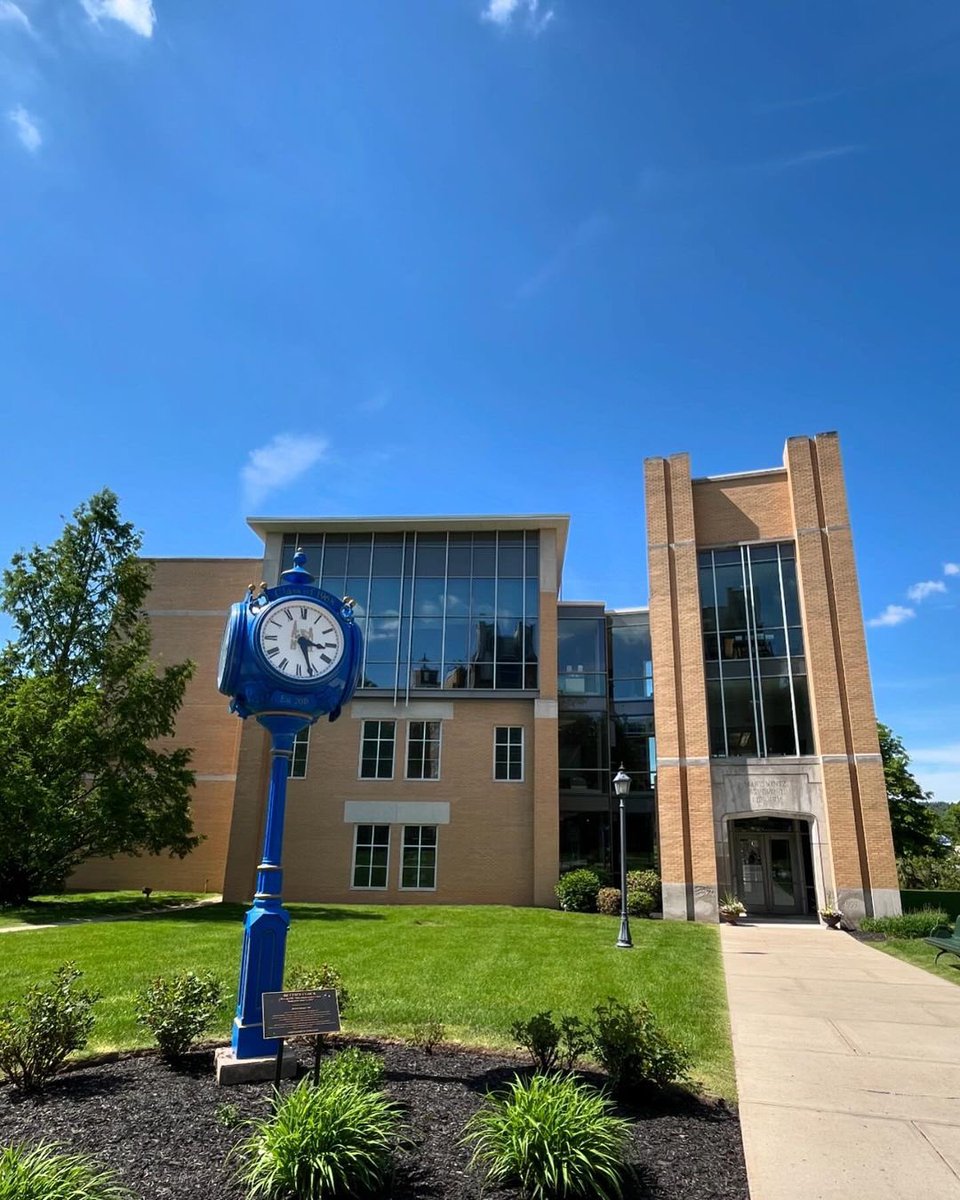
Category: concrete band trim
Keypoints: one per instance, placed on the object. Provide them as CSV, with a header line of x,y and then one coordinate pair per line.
x,y
396,812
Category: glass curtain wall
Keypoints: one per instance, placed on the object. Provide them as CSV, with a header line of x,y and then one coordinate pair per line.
x,y
437,610
757,695
632,736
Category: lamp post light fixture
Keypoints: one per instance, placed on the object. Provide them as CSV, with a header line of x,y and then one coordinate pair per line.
x,y
621,785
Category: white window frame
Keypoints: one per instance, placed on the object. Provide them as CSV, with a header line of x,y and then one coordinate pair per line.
x,y
303,737
369,887
419,848
439,739
380,722
523,738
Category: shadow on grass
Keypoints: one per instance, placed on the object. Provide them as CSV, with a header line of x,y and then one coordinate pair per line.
x,y
300,912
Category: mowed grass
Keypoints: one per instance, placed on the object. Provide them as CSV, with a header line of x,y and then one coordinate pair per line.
x,y
476,969
916,952
83,906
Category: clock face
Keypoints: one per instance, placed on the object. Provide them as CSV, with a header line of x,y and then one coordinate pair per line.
x,y
300,639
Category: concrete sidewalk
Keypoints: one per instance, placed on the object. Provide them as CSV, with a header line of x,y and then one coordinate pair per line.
x,y
848,1067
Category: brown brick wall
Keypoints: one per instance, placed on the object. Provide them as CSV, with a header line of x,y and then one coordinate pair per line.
x,y
746,509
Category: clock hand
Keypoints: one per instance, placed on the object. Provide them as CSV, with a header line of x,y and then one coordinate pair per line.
x,y
303,643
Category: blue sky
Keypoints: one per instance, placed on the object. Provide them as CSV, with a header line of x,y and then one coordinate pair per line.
x,y
487,255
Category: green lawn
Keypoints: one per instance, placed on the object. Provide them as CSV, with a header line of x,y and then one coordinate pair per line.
x,y
477,969
81,906
915,951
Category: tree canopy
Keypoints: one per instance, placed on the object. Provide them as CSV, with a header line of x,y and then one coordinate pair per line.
x,y
83,708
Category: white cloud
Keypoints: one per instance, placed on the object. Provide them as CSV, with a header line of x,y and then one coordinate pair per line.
x,y
938,756
27,129
13,14
937,769
893,614
926,587
137,15
502,12
282,460
951,568
808,157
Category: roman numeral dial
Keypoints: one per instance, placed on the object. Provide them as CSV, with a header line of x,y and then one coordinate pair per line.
x,y
300,641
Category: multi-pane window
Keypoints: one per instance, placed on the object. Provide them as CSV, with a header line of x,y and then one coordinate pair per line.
x,y
757,697
508,753
423,750
437,610
376,749
301,746
371,856
419,866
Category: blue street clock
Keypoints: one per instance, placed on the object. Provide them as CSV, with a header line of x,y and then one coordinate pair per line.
x,y
289,656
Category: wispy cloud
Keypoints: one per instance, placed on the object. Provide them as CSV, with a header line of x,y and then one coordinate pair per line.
x,y
527,13
926,587
278,463
374,404
937,769
948,755
951,568
893,614
137,15
808,158
13,14
26,128
584,235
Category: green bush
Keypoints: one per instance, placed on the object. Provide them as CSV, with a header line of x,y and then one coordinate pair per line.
x,y
633,1049
608,901
362,1068
554,1136
646,881
178,1009
917,924
428,1035
549,1042
577,891
331,1140
639,902
42,1172
39,1031
307,978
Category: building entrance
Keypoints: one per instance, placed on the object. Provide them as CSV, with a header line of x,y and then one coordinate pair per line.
x,y
771,857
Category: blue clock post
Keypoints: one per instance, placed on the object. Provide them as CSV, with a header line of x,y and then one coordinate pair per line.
x,y
289,656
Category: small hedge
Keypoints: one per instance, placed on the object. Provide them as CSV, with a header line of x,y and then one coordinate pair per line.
x,y
577,891
919,924
608,901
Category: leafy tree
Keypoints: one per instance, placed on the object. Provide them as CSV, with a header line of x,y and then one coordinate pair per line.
x,y
913,822
82,707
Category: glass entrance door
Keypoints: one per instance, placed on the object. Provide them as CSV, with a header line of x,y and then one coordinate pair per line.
x,y
769,871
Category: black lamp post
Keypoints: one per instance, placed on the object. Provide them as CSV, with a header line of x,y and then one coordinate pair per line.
x,y
621,785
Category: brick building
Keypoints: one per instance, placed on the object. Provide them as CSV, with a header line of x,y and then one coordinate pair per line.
x,y
474,763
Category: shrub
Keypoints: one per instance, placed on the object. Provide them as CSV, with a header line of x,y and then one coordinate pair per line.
x,y
608,901
178,1009
555,1136
639,902
549,1043
633,1049
362,1068
42,1172
646,881
577,891
39,1031
428,1035
331,1140
306,978
917,924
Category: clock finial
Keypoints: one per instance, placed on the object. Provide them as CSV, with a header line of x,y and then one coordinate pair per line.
x,y
298,573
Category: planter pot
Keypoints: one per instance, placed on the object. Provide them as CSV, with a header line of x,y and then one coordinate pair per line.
x,y
832,921
729,918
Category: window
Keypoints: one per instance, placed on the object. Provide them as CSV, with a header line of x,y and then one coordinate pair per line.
x,y
419,867
753,651
423,750
371,856
298,764
376,749
508,753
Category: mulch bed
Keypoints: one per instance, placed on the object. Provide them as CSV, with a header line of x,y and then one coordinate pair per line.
x,y
168,1131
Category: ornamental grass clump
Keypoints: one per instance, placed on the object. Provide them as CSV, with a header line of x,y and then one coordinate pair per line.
x,y
555,1137
42,1172
178,1009
39,1031
360,1067
329,1140
917,924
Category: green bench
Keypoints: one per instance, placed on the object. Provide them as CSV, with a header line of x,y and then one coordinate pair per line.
x,y
946,940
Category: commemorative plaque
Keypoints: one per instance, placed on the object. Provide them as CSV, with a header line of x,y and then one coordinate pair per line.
x,y
300,1014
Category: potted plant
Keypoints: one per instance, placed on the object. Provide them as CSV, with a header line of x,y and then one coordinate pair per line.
x,y
731,907
830,914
